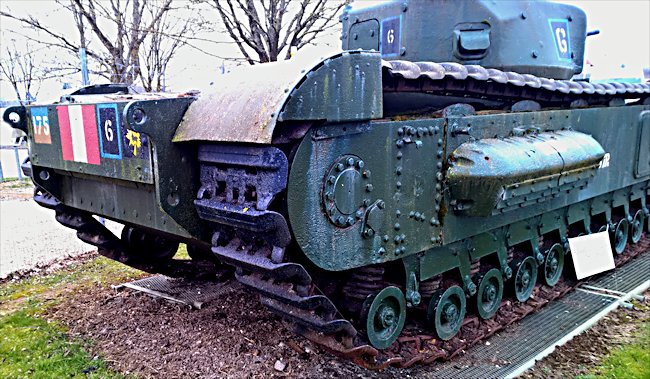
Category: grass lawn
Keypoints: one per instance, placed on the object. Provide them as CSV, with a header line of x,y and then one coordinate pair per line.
x,y
34,347
631,361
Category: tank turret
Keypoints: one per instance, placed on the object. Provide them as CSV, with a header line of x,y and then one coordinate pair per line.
x,y
530,37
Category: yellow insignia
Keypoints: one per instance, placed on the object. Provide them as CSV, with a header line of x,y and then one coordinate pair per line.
x,y
134,141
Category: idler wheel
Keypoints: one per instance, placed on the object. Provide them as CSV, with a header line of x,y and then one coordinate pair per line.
x,y
523,281
489,294
621,232
147,246
553,264
385,315
446,312
638,223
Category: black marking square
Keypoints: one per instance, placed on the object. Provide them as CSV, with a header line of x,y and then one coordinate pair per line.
x,y
108,124
391,30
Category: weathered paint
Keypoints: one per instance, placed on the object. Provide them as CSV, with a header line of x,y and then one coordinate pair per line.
x,y
410,178
527,37
247,106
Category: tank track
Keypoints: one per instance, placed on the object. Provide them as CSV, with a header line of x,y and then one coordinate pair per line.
x,y
287,288
491,84
95,233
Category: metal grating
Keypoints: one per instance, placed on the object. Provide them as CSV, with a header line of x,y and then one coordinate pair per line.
x,y
627,277
191,292
513,348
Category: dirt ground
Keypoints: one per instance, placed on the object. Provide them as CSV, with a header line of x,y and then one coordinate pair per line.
x,y
235,337
232,337
15,190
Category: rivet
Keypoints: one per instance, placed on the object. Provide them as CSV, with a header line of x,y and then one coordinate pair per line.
x,y
437,208
366,202
436,130
398,171
381,251
359,214
360,164
381,204
349,221
411,213
439,176
397,226
417,215
398,184
340,220
386,238
340,167
396,240
438,186
366,173
399,155
399,143
398,213
329,196
439,142
350,161
397,251
439,164
331,179
402,237
369,187
431,130
400,132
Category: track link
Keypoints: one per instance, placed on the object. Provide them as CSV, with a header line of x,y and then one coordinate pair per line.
x,y
288,290
94,233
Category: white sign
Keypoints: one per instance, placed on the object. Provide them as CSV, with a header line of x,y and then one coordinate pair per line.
x,y
592,254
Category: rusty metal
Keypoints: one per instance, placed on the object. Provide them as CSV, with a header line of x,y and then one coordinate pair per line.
x,y
247,105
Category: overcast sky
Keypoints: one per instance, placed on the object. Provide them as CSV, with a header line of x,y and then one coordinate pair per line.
x,y
621,50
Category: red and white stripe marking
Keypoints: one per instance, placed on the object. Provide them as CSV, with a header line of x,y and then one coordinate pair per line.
x,y
79,139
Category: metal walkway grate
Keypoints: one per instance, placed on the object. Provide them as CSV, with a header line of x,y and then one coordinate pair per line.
x,y
513,348
193,293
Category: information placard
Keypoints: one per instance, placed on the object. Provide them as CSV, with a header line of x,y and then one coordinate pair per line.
x,y
592,254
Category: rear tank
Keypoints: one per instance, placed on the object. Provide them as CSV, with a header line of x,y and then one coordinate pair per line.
x,y
372,192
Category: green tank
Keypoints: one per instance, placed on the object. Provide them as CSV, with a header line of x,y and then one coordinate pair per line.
x,y
434,167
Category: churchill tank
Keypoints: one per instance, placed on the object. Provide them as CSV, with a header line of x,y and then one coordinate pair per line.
x,y
396,201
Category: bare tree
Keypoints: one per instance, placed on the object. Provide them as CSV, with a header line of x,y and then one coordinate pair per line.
x,y
266,30
162,43
18,68
121,37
